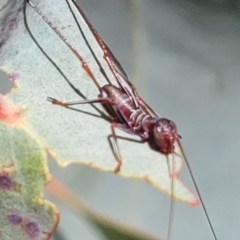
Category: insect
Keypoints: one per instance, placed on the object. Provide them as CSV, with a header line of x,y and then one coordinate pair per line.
x,y
124,108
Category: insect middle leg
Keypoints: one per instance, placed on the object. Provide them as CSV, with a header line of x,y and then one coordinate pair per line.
x,y
67,104
114,145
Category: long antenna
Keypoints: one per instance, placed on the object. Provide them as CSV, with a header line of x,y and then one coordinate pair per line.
x,y
198,192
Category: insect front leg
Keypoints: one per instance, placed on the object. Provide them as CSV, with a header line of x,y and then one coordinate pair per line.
x,y
171,168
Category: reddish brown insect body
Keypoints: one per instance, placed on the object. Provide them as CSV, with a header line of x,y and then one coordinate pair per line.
x,y
160,133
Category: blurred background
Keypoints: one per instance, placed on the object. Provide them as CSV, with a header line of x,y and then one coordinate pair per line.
x,y
184,59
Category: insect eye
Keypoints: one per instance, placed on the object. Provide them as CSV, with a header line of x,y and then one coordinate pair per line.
x,y
164,128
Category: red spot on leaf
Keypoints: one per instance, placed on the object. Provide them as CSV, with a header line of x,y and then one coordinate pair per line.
x,y
13,76
6,182
32,228
8,112
14,218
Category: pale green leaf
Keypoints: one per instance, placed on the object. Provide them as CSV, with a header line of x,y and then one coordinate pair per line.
x,y
72,136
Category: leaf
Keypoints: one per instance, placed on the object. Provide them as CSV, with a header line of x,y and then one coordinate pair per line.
x,y
72,136
110,228
119,234
23,173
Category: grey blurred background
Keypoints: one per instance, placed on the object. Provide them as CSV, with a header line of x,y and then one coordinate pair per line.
x,y
183,57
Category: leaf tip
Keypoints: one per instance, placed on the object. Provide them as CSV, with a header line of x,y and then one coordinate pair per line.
x,y
195,202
